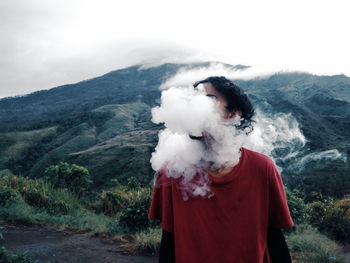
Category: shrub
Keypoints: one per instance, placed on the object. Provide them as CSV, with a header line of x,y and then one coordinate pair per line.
x,y
310,246
7,257
21,183
297,206
113,228
133,183
73,177
337,220
17,213
8,196
133,216
44,202
316,212
317,196
39,203
148,240
36,193
113,201
114,182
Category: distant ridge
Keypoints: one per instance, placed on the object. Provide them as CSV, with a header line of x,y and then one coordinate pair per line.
x,y
104,123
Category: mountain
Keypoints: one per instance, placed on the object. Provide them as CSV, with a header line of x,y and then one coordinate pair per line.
x,y
104,124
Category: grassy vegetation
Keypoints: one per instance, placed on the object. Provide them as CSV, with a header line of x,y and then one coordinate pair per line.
x,y
122,210
104,124
36,202
308,245
12,144
148,241
8,257
112,141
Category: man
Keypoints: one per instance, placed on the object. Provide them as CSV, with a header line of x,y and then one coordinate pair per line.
x,y
242,223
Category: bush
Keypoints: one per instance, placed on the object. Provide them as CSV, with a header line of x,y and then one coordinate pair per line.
x,y
296,206
39,200
17,213
310,246
337,220
148,241
21,183
113,201
133,183
36,193
8,196
73,177
39,203
134,214
113,228
7,257
316,208
114,182
316,212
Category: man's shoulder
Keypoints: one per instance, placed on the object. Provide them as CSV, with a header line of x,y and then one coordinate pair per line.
x,y
258,159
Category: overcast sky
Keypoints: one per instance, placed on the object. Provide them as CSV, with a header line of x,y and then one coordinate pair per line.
x,y
44,44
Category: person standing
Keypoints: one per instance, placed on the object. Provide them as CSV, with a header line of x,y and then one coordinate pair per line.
x,y
243,220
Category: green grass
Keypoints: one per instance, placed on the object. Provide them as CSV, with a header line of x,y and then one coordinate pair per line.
x,y
13,143
35,202
125,119
148,241
308,245
8,257
85,139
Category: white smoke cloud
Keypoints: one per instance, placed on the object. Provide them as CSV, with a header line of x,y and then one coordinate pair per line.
x,y
276,135
188,75
321,158
329,154
186,111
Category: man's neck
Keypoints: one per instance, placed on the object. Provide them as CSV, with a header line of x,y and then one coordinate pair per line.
x,y
221,172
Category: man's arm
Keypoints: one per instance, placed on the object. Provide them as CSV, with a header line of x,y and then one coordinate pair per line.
x,y
278,249
277,245
167,248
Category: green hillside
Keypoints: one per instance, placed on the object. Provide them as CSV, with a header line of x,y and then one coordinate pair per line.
x,y
14,144
104,124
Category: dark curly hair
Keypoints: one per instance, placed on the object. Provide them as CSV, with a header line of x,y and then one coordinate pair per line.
x,y
236,99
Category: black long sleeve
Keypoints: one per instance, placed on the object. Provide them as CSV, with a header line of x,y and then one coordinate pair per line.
x,y
276,243
167,248
278,249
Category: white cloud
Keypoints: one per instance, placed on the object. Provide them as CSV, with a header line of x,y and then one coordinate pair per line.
x,y
49,43
187,75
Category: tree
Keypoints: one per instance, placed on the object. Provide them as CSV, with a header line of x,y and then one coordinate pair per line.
x,y
296,205
71,176
337,220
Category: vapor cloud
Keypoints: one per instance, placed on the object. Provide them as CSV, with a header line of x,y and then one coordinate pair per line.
x,y
187,112
188,75
277,135
321,158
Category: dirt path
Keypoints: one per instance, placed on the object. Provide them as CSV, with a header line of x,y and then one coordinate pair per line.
x,y
52,246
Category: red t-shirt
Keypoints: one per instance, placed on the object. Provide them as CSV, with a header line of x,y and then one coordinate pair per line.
x,y
231,226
